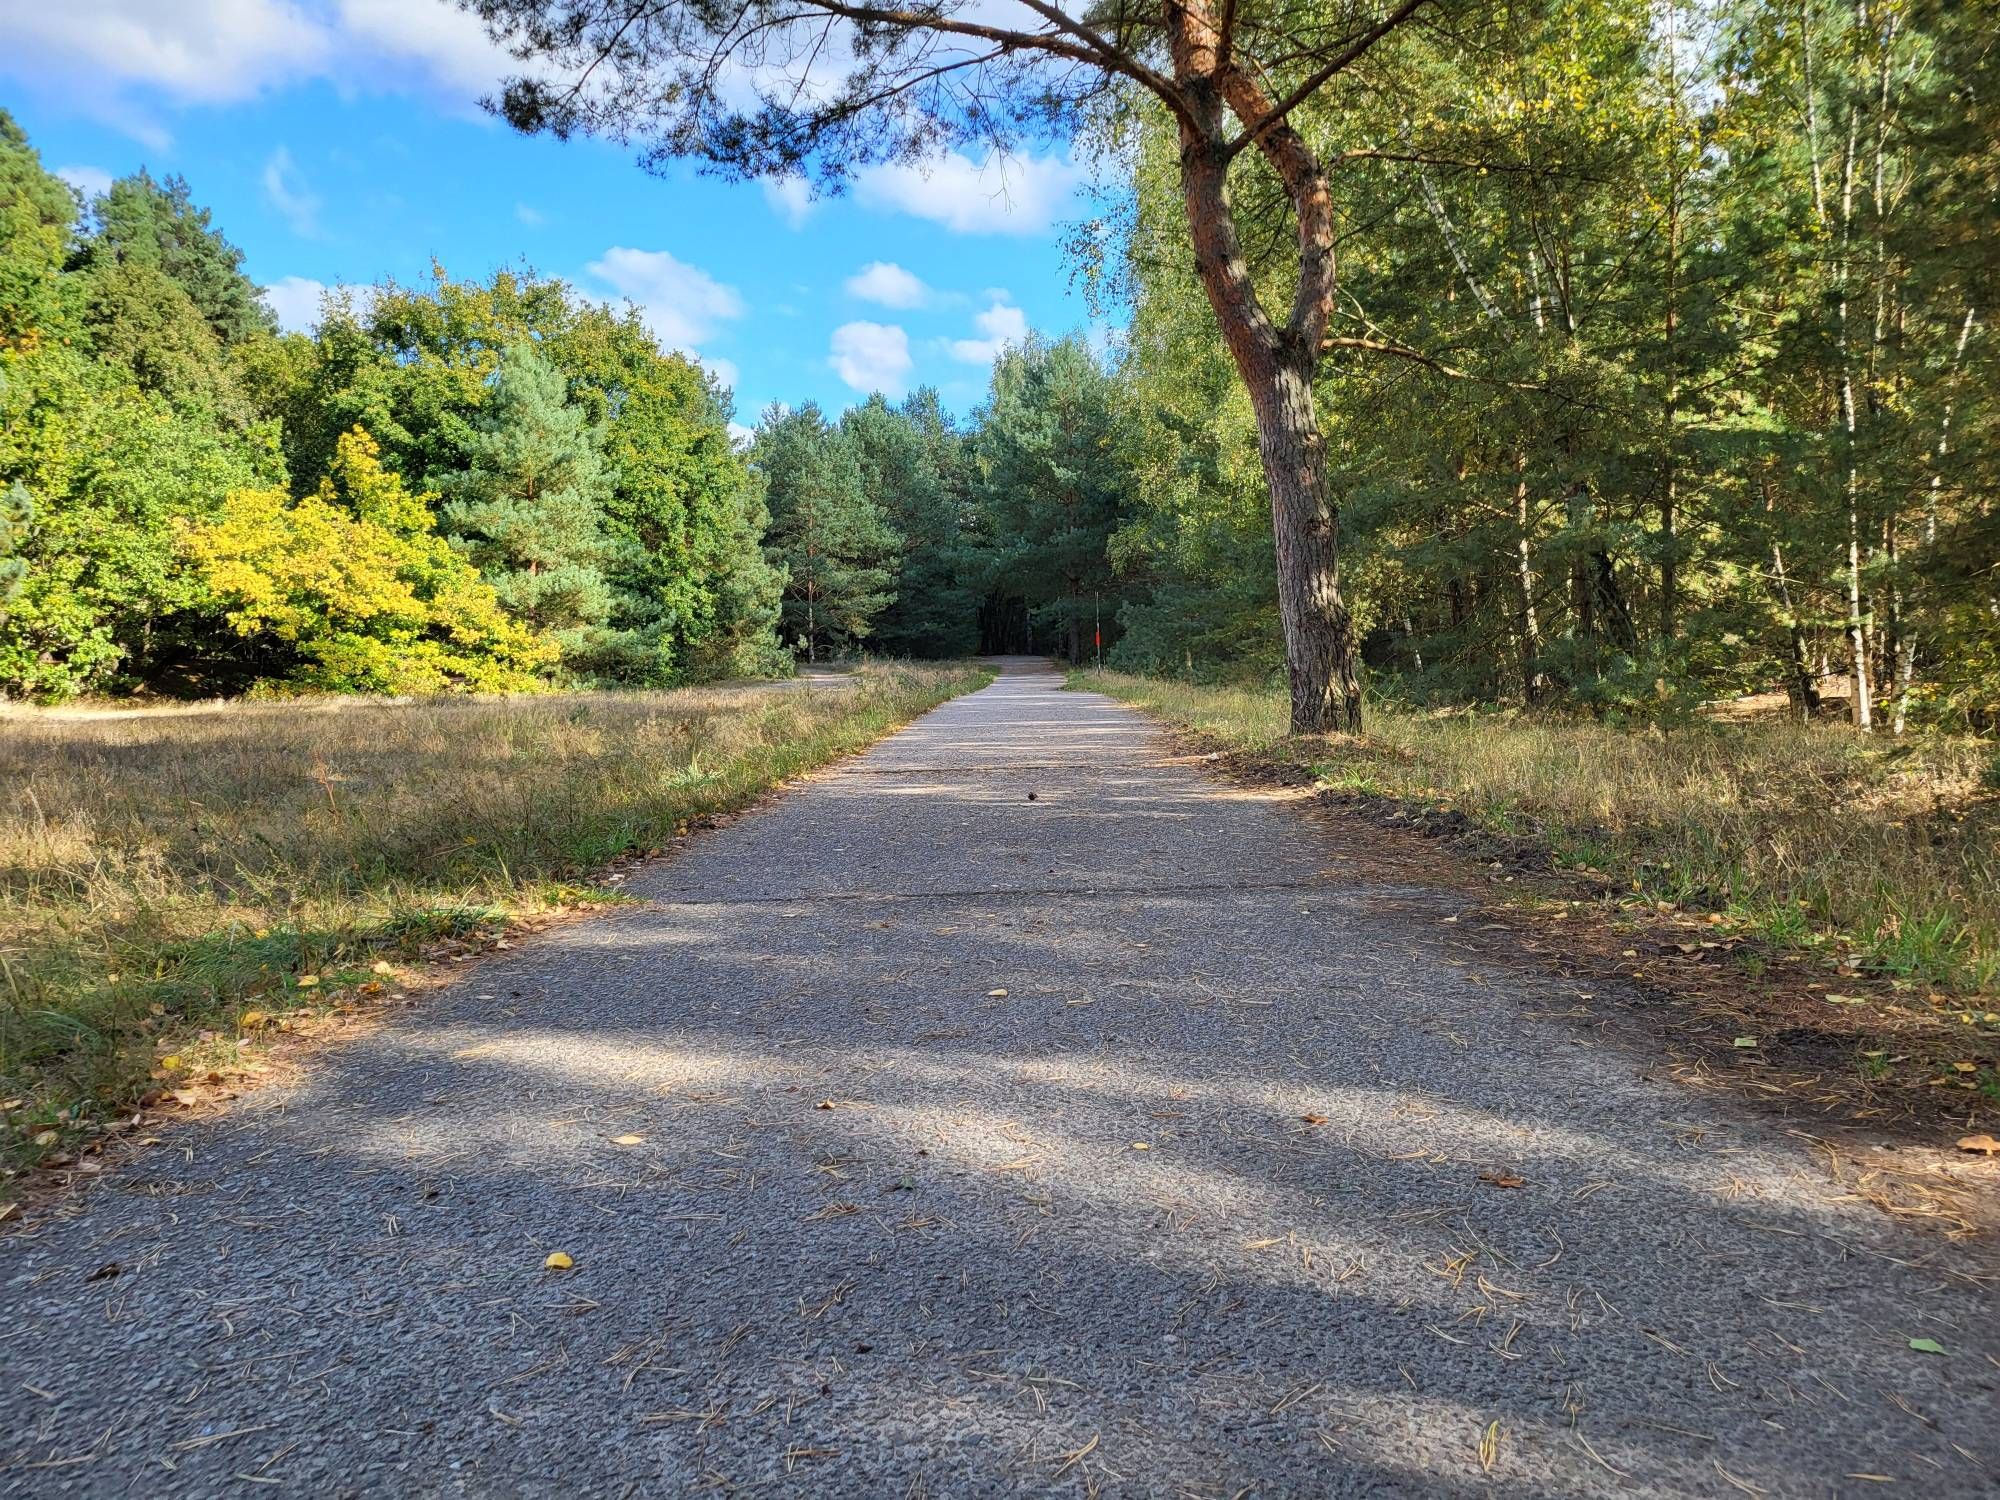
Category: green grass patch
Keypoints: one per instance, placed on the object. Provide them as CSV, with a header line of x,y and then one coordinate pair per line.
x,y
162,872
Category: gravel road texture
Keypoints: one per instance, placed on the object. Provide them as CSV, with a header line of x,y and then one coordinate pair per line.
x,y
1013,1109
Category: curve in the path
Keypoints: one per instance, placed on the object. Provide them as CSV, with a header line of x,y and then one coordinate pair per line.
x,y
1016,1111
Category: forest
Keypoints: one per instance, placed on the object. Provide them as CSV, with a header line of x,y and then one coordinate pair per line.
x,y
1660,374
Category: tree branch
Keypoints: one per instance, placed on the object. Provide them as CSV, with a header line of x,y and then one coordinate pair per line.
x,y
1112,57
1345,58
1097,53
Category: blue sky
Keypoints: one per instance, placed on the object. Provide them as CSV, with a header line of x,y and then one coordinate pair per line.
x,y
338,141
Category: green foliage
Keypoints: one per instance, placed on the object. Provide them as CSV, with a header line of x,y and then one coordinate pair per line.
x,y
528,507
38,214
354,581
145,398
138,319
17,514
1645,389
832,540
690,594
1051,485
914,467
106,597
142,223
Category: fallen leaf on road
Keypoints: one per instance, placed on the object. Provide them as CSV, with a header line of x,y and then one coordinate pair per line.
x,y
996,994
1502,1179
1744,1041
1927,1346
557,1261
1984,1143
1142,1146
250,1020
1313,1119
306,981
825,1104
1489,1447
628,1140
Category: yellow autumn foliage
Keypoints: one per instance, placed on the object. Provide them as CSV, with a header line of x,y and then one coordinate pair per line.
x,y
354,579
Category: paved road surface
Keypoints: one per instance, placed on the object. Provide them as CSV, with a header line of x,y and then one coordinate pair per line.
x,y
1100,1142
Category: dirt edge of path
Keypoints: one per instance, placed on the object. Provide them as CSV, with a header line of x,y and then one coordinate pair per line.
x,y
1686,999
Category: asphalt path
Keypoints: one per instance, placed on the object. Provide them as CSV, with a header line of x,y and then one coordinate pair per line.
x,y
1013,1109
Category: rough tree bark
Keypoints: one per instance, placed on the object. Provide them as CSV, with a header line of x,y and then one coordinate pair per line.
x,y
1276,363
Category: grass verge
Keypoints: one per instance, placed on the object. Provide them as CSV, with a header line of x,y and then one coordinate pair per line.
x,y
171,878
1880,852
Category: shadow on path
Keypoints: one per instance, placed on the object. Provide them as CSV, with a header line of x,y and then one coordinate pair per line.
x,y
917,1137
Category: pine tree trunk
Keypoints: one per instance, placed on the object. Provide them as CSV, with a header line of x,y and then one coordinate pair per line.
x,y
1319,635
1670,486
1276,361
1907,667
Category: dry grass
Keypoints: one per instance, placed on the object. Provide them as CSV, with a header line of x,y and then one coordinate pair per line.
x,y
160,870
1809,835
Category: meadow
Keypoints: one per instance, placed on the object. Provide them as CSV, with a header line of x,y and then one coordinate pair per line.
x,y
1805,834
167,873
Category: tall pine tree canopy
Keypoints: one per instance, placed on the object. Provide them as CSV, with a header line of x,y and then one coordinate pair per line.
x,y
528,507
1051,483
834,543
913,466
140,222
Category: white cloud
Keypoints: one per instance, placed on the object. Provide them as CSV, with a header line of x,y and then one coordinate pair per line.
x,y
193,51
89,181
741,436
290,196
682,304
534,218
886,282
296,300
1001,195
448,44
723,370
1001,325
872,357
107,56
790,199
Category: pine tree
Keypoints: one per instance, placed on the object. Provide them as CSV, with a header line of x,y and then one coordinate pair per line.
x,y
913,468
1053,483
158,225
835,544
528,510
